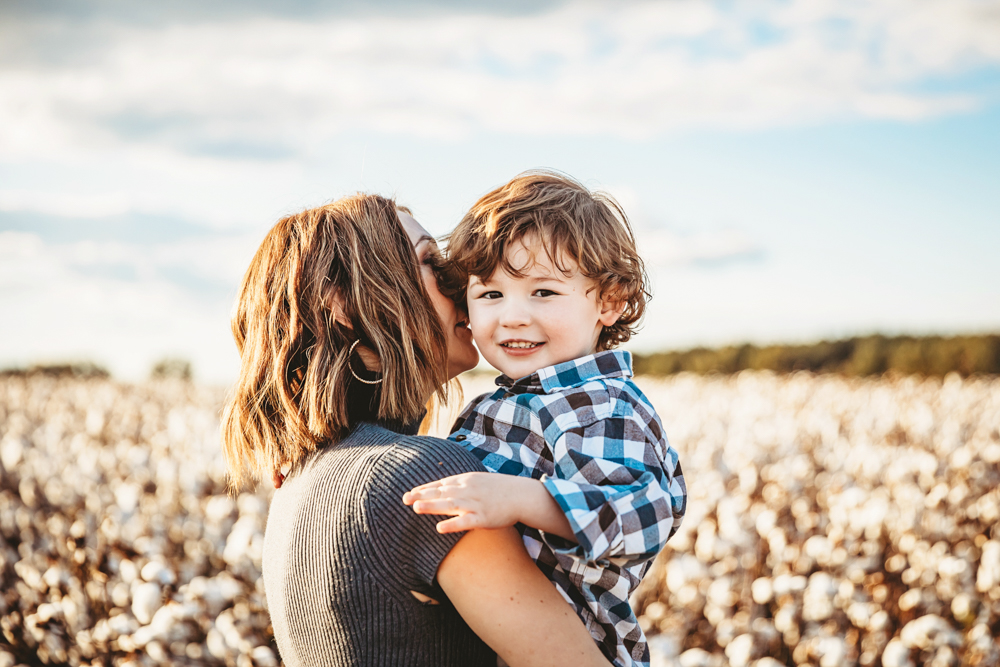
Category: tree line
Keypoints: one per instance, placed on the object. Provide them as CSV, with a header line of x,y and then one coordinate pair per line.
x,y
858,357
167,368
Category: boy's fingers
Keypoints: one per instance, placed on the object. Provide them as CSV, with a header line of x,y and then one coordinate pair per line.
x,y
421,493
436,489
439,506
458,524
452,480
428,485
411,497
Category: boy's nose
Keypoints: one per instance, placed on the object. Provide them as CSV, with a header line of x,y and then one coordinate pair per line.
x,y
514,315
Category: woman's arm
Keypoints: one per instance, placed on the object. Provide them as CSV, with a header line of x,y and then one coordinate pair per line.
x,y
509,603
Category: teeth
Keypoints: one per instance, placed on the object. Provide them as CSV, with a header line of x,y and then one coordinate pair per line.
x,y
520,344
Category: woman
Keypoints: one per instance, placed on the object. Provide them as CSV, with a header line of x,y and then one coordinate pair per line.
x,y
344,335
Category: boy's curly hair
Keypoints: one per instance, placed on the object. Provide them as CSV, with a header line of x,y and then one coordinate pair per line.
x,y
572,224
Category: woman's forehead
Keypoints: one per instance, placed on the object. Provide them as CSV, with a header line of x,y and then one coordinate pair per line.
x,y
413,229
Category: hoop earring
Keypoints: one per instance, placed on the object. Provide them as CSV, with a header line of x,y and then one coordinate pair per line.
x,y
349,353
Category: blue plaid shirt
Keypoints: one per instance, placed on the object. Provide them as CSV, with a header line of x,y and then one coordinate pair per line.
x,y
590,435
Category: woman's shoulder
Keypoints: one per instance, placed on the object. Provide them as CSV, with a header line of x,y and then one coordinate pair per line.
x,y
407,545
418,459
372,452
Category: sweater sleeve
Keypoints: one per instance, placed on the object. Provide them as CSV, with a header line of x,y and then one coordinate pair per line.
x,y
408,544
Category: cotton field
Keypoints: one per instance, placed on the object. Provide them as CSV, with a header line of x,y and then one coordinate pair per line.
x,y
831,522
121,545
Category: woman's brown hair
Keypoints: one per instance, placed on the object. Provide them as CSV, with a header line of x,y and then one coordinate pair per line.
x,y
570,223
350,261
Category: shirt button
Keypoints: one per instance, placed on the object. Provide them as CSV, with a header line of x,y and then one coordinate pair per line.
x,y
459,438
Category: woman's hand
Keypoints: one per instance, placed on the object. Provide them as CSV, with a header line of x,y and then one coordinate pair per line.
x,y
489,500
278,475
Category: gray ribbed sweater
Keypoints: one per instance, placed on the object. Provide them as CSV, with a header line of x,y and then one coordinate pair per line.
x,y
342,553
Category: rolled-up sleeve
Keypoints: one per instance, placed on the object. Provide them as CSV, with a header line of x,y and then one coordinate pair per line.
x,y
407,542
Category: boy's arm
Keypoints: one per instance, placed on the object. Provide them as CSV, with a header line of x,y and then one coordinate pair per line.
x,y
612,494
490,500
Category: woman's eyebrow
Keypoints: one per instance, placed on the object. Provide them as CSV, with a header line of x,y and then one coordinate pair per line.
x,y
430,240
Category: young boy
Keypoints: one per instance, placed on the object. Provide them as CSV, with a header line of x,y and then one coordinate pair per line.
x,y
554,284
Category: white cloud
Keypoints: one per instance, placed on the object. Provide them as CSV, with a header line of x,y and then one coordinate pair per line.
x,y
663,248
67,204
636,70
122,304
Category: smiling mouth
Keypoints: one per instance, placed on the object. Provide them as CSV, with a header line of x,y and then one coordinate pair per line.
x,y
519,344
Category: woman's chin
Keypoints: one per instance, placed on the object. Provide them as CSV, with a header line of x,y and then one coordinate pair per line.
x,y
462,363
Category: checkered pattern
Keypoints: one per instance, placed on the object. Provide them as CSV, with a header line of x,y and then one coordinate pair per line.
x,y
587,431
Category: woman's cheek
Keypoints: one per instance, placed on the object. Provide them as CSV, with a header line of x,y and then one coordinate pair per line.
x,y
477,331
443,306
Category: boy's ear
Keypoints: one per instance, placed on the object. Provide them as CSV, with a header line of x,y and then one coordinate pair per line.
x,y
610,312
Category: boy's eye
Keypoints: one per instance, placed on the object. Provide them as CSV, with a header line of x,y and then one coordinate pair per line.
x,y
492,294
545,292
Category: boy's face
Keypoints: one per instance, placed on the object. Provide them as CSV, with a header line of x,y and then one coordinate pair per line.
x,y
544,318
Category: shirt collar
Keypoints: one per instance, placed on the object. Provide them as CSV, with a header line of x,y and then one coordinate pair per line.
x,y
573,373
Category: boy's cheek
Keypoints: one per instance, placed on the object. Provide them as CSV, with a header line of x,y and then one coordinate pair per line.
x,y
477,318
481,339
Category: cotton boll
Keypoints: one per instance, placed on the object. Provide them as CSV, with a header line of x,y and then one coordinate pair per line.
x,y
128,571
264,657
929,631
965,608
785,619
740,651
762,590
988,576
817,603
896,654
910,599
145,601
832,651
219,508
695,657
12,451
155,571
767,662
127,497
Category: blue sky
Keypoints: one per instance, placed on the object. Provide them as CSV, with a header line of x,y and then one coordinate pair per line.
x,y
794,170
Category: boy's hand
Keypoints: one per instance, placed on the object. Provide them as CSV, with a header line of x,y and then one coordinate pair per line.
x,y
489,500
474,499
